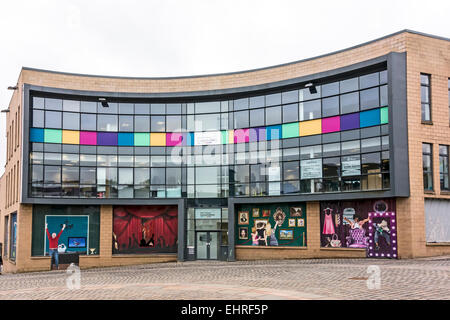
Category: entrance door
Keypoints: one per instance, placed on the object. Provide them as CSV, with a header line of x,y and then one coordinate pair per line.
x,y
207,245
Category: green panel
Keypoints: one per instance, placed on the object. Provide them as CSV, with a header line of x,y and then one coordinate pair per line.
x,y
384,115
142,139
52,136
290,130
299,233
38,230
224,137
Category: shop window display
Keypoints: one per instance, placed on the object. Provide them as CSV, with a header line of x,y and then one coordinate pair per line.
x,y
145,229
271,225
360,225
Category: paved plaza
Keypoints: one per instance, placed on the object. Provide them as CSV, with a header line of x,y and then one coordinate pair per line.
x,y
342,279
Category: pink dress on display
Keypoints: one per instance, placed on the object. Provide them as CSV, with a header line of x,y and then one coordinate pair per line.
x,y
328,227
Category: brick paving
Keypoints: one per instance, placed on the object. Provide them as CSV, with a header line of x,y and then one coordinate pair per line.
x,y
343,279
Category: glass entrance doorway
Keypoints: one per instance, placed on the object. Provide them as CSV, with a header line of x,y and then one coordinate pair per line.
x,y
207,245
207,233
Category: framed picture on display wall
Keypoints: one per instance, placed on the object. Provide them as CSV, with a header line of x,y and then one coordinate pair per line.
x,y
243,217
286,234
300,222
291,222
255,212
243,233
266,213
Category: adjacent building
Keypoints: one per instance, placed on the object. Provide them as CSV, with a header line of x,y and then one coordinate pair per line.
x,y
342,155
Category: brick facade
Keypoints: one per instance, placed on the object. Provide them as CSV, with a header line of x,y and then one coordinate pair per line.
x,y
425,54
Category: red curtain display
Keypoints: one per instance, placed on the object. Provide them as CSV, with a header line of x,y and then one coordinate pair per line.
x,y
141,229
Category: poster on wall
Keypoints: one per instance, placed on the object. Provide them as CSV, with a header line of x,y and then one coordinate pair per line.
x,y
145,229
271,225
382,235
13,235
74,238
349,224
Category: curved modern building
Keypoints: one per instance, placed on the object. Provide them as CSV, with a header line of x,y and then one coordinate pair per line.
x,y
342,155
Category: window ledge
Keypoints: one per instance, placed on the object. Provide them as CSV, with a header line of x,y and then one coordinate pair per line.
x,y
438,244
271,247
430,123
429,192
445,193
343,249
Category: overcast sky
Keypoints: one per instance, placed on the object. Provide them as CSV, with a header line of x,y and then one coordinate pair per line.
x,y
176,38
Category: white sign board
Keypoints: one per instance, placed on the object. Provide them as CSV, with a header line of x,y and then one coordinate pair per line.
x,y
311,169
208,138
351,166
207,213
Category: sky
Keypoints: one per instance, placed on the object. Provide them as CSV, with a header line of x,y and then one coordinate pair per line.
x,y
165,38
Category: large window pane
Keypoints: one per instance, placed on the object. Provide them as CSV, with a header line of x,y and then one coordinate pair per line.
x,y
38,118
142,176
53,119
158,176
349,102
241,174
126,123
52,174
71,121
173,176
369,99
207,122
87,175
70,174
173,124
330,106
71,105
107,122
273,115
241,120
142,123
88,121
290,113
257,117
125,176
291,170
310,110
158,123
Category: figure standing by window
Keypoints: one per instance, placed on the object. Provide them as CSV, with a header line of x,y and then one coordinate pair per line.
x,y
53,245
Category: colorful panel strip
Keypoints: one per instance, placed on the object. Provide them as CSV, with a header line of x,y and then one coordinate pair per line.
x,y
344,122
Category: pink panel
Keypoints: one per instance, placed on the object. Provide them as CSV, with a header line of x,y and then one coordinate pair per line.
x,y
88,137
241,135
332,124
174,139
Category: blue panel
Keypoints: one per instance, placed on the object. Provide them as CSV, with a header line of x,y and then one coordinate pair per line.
x,y
36,135
369,118
126,139
273,132
189,139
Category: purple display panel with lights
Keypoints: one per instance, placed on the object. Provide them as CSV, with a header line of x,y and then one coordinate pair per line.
x,y
382,235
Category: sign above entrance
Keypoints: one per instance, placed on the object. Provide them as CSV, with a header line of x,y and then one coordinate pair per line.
x,y
207,213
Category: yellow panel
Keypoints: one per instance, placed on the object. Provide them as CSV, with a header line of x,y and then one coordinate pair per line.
x,y
71,137
308,128
231,136
157,139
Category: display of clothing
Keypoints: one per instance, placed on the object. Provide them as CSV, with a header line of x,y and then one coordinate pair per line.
x,y
328,227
